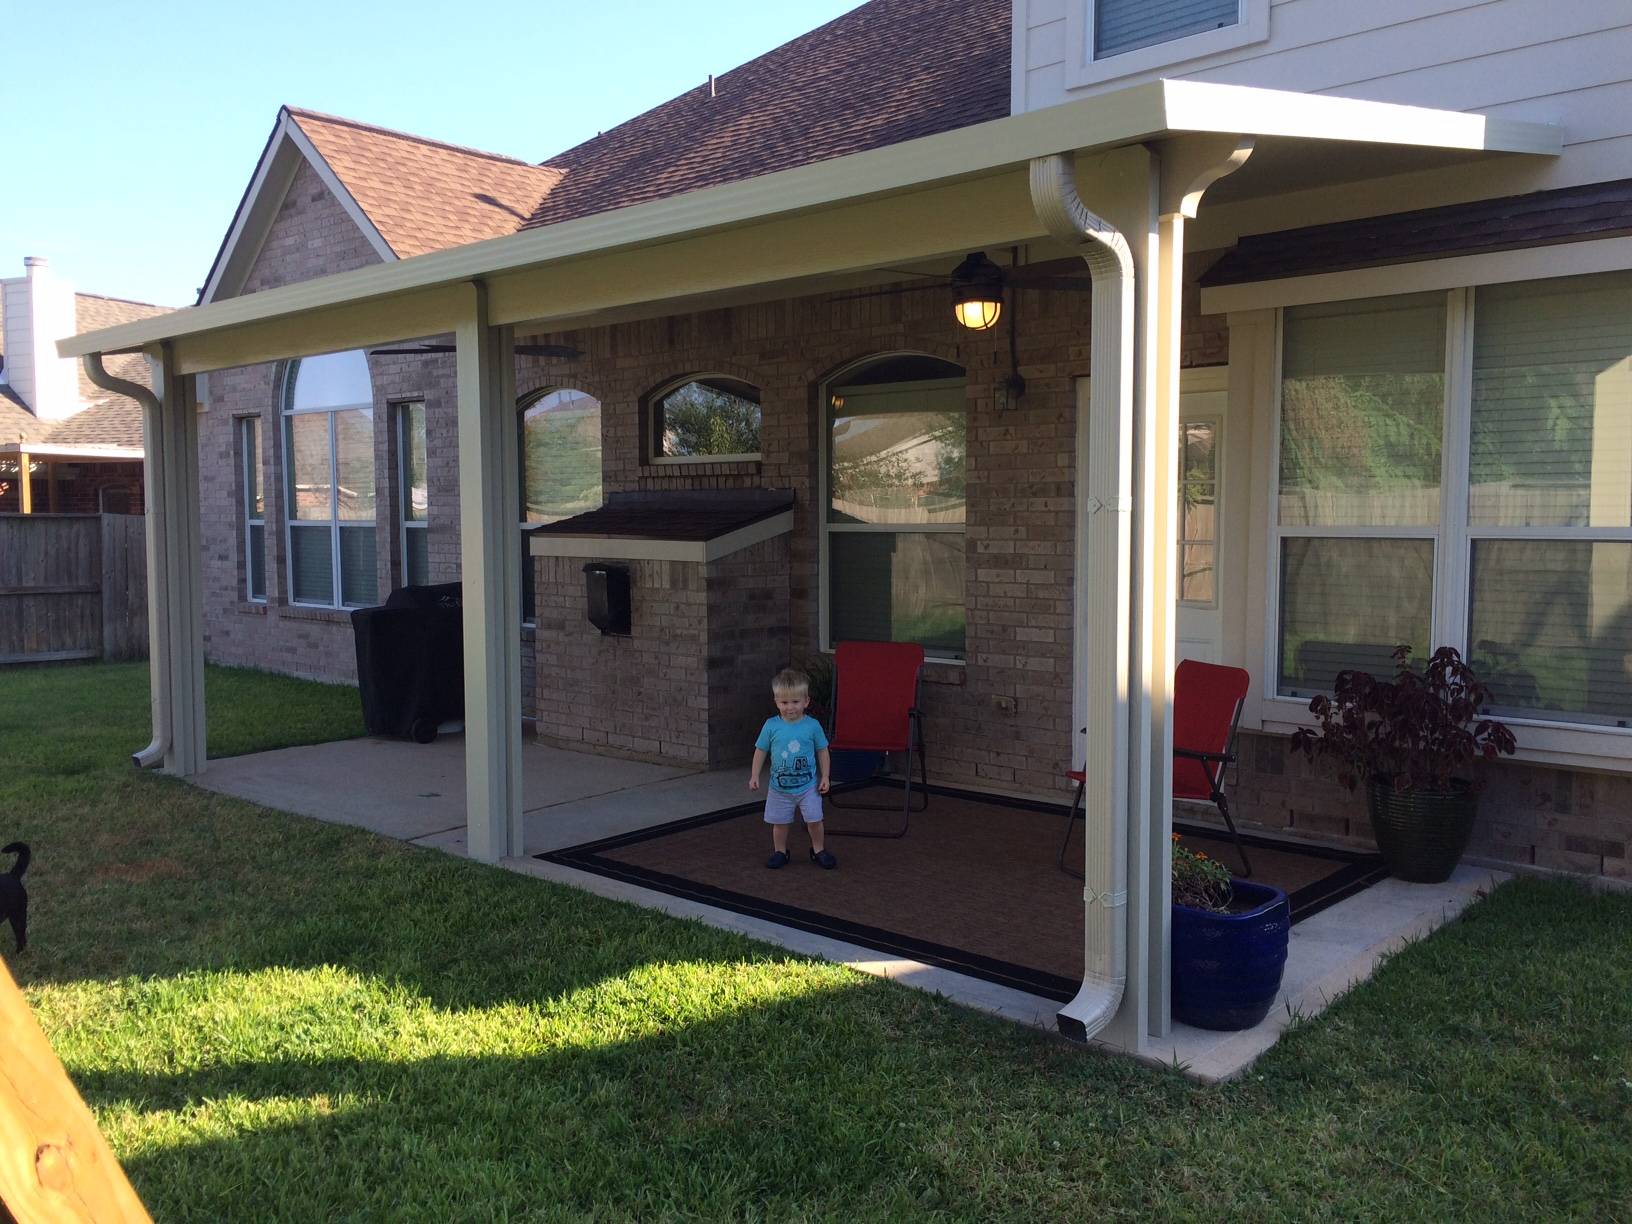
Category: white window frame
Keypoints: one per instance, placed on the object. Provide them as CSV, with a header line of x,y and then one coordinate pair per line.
x,y
824,563
287,413
249,473
1541,740
401,411
1252,26
654,440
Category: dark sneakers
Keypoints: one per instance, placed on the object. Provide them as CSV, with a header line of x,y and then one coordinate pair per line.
x,y
779,859
824,858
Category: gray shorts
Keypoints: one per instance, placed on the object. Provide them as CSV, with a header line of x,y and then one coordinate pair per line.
x,y
779,808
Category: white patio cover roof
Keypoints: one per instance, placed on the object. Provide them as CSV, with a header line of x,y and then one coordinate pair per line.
x,y
960,189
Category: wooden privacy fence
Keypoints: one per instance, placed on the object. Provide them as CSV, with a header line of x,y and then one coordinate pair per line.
x,y
72,586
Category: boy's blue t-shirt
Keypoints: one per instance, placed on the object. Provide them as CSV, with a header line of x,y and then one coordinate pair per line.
x,y
792,748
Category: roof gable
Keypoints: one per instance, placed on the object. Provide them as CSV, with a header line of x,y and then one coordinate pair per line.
x,y
423,195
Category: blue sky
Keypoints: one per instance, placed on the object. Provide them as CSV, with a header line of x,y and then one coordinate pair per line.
x,y
141,123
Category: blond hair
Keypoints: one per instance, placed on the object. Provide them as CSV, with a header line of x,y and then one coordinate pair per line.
x,y
791,680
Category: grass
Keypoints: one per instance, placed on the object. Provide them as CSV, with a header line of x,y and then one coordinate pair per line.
x,y
276,1018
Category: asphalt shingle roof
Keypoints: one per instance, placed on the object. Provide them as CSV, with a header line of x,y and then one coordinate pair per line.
x,y
889,71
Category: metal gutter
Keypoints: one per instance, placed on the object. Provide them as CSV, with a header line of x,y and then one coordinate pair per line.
x,y
158,692
1109,503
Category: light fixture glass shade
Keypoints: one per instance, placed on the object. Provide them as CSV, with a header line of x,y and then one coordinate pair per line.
x,y
979,313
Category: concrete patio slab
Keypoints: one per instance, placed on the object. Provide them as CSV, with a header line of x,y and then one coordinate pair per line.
x,y
411,791
416,793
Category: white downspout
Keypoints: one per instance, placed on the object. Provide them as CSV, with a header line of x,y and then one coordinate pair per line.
x,y
152,459
1108,502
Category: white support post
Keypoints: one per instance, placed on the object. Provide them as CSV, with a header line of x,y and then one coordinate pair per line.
x,y
174,575
490,561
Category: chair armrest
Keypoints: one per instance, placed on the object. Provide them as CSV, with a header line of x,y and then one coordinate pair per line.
x,y
1190,754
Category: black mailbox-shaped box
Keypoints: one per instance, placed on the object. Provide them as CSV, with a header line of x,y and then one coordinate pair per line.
x,y
606,591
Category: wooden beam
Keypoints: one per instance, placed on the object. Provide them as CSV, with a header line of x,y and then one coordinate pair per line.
x,y
54,1163
25,483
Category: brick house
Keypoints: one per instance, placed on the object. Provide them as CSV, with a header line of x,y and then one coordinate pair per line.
x,y
1296,360
81,444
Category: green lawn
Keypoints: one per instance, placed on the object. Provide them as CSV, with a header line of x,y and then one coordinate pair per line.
x,y
275,1018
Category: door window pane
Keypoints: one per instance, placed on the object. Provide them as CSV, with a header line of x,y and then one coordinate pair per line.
x,y
257,561
1198,511
1552,403
898,455
416,498
417,563
1346,604
1551,627
1362,407
898,587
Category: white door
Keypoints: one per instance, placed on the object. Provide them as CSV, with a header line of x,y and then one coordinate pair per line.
x,y
1202,556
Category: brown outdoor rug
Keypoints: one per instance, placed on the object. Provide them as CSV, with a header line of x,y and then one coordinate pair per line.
x,y
973,886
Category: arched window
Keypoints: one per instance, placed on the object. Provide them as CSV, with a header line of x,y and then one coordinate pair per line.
x,y
893,539
706,419
560,464
328,409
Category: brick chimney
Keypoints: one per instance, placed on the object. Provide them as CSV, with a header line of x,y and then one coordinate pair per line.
x,y
39,311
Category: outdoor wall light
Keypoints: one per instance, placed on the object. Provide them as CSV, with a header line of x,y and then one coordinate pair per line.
x,y
977,293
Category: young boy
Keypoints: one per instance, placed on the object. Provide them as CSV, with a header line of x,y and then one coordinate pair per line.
x,y
796,747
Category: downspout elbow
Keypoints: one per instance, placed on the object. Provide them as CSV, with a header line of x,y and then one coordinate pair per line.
x,y
152,756
1107,524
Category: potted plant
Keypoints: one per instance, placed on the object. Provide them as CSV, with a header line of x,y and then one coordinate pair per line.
x,y
1414,742
1229,941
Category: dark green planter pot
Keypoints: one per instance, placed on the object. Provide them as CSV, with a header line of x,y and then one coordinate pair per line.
x,y
1421,834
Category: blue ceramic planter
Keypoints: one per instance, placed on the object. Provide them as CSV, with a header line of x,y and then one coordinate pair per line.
x,y
1227,967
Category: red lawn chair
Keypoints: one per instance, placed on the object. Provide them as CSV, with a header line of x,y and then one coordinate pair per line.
x,y
875,709
1207,702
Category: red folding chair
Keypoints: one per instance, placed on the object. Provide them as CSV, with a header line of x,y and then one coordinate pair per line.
x,y
1207,702
875,709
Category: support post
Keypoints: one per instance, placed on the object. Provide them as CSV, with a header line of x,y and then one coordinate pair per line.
x,y
175,585
490,559
25,484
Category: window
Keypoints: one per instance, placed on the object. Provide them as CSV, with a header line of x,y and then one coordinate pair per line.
x,y
894,540
706,419
1198,513
413,485
560,465
1126,25
1122,38
1457,468
329,453
249,454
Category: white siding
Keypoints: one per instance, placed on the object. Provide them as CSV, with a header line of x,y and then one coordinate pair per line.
x,y
1567,62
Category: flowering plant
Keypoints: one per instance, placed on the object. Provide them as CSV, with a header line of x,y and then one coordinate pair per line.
x,y
1198,881
1420,731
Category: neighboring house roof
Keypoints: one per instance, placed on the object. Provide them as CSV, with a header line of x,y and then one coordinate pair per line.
x,y
116,421
889,71
17,423
1567,214
423,195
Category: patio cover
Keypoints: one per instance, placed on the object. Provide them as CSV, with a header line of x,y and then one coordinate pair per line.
x,y
1120,173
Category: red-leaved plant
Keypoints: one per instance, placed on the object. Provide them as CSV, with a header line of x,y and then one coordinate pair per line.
x,y
1420,731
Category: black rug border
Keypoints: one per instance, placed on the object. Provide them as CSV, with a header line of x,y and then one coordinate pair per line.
x,y
1361,871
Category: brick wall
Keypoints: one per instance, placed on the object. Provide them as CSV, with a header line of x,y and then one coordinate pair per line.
x,y
1529,815
691,683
